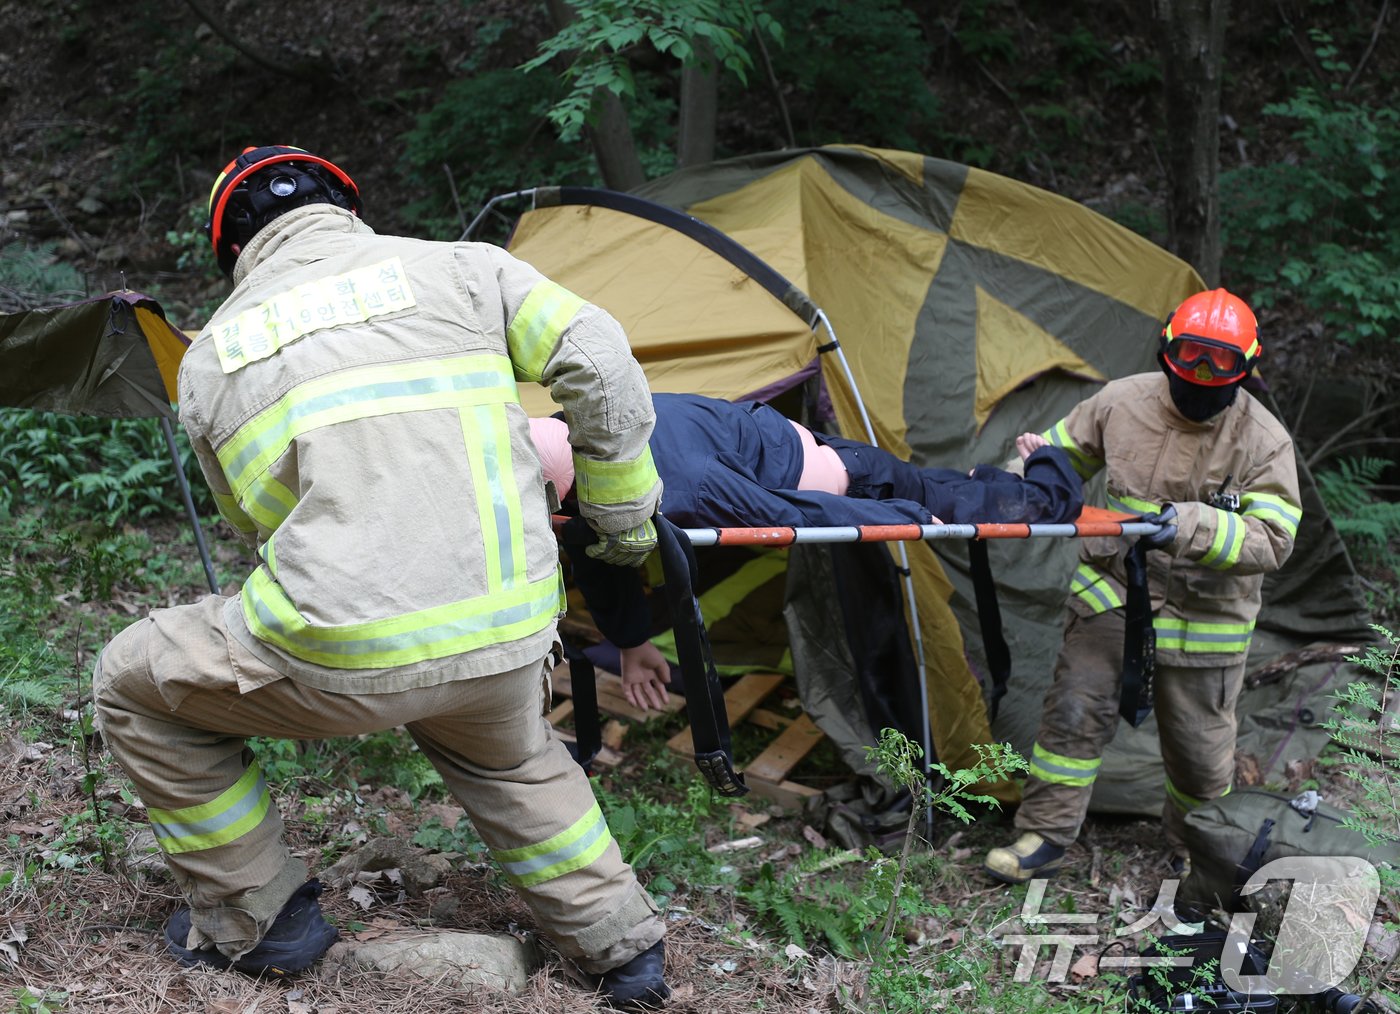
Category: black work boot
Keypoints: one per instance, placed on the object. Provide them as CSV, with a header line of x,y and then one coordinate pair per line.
x,y
298,936
637,985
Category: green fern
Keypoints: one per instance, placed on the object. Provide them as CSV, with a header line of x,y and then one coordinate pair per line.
x,y
1368,524
110,468
1347,489
811,900
25,694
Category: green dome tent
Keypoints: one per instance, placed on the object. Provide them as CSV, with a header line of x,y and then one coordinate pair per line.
x,y
970,308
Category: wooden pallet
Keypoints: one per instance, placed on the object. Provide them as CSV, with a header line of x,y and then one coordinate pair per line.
x,y
766,775
611,701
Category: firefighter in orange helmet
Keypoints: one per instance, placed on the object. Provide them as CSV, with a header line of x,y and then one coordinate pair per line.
x,y
1192,450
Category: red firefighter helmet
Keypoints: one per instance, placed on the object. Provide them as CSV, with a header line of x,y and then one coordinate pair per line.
x,y
1211,339
244,197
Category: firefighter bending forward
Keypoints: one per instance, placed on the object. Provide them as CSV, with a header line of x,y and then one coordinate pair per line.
x,y
1191,450
353,406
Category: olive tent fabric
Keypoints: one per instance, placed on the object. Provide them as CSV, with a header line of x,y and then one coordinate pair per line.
x,y
971,308
114,356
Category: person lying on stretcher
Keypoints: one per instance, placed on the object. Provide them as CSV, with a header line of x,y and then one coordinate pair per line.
x,y
744,464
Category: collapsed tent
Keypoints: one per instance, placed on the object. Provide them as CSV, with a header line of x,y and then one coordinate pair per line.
x,y
114,356
971,308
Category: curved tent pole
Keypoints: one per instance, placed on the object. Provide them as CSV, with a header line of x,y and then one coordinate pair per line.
x,y
489,207
188,500
779,287
834,345
702,232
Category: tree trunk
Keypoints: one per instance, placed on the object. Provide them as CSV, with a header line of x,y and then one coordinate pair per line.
x,y
1193,42
699,102
611,133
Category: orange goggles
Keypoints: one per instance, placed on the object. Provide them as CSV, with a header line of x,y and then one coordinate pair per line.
x,y
1205,360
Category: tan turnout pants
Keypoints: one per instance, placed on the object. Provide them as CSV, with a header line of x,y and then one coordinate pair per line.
x,y
1195,711
170,710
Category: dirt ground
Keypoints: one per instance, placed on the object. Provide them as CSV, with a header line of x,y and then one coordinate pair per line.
x,y
97,936
83,904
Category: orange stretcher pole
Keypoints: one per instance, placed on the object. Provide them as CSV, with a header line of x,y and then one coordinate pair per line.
x,y
1092,522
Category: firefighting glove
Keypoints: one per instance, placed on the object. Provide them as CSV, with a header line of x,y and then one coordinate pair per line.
x,y
625,549
1164,537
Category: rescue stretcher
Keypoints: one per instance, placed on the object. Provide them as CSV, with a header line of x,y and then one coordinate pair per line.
x,y
709,722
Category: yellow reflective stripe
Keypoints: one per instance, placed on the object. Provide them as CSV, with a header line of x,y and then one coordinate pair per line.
x,y
1206,638
1184,802
1062,770
718,601
1085,465
1131,504
227,817
457,382
268,502
449,629
487,436
269,555
1093,589
571,849
1266,506
610,482
537,326
1224,551
233,513
214,190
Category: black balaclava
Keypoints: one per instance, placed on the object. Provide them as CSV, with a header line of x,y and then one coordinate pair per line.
x,y
1196,401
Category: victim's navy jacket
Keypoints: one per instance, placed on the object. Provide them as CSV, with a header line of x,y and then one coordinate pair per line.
x,y
737,464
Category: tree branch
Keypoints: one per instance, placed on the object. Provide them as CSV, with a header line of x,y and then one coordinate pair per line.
x,y
298,72
777,91
614,149
1337,434
1375,34
1026,120
1359,442
1309,57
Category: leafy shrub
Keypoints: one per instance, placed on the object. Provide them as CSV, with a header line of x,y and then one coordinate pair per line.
x,y
486,136
112,469
388,757
669,837
1321,224
50,555
603,32
855,78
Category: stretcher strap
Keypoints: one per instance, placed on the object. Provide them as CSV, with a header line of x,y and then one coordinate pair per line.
x,y
704,696
1249,865
588,734
1139,641
709,721
984,589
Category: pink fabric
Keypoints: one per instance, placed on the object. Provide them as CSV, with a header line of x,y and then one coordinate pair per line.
x,y
821,466
551,437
